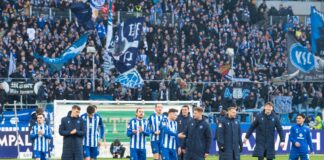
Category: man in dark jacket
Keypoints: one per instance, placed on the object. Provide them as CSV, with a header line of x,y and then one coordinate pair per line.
x,y
182,120
198,137
265,125
229,136
3,98
73,129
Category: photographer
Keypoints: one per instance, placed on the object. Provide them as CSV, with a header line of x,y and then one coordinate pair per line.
x,y
117,149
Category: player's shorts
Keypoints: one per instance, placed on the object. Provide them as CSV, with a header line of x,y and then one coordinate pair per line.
x,y
91,152
168,154
41,155
296,156
137,154
155,145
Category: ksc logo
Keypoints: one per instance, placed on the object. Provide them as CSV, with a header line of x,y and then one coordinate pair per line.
x,y
301,58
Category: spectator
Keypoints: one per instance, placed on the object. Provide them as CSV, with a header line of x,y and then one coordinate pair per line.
x,y
318,123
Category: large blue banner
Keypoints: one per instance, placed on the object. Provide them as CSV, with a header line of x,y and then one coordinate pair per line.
x,y
317,138
130,79
302,63
126,44
68,54
282,104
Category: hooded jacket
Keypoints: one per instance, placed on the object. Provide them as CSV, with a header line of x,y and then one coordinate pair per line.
x,y
198,139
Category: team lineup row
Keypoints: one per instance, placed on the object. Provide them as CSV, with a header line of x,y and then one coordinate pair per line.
x,y
172,136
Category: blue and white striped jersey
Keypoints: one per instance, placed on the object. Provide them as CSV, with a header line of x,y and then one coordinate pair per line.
x,y
169,134
154,125
95,130
40,142
138,140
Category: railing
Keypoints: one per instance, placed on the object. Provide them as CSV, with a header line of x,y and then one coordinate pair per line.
x,y
163,19
119,16
300,19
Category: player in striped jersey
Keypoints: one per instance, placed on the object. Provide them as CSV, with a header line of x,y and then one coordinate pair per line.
x,y
137,130
94,134
170,146
40,134
154,125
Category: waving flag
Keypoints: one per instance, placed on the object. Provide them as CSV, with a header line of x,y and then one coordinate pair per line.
x,y
130,79
317,25
12,64
302,63
107,58
126,44
68,54
83,12
97,3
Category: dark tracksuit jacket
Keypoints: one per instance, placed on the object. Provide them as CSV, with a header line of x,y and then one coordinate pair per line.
x,y
183,124
72,144
198,139
265,126
229,139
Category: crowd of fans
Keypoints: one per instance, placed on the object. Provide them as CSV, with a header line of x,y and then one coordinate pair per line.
x,y
186,60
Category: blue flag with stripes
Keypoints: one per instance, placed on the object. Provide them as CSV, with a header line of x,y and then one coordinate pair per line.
x,y
130,79
126,44
75,49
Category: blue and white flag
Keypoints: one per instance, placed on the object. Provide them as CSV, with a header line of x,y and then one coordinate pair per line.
x,y
56,64
302,63
83,12
12,64
130,79
283,104
126,44
107,58
317,25
97,3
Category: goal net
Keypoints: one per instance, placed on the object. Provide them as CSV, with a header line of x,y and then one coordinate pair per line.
x,y
115,116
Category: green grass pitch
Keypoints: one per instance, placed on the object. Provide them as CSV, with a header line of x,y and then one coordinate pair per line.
x,y
278,157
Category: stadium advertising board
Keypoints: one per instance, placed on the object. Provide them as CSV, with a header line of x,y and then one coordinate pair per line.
x,y
317,139
21,88
8,134
8,141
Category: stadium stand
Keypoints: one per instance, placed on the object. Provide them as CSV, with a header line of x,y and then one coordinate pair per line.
x,y
192,47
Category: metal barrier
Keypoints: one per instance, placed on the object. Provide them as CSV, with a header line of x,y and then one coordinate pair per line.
x,y
244,116
154,18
